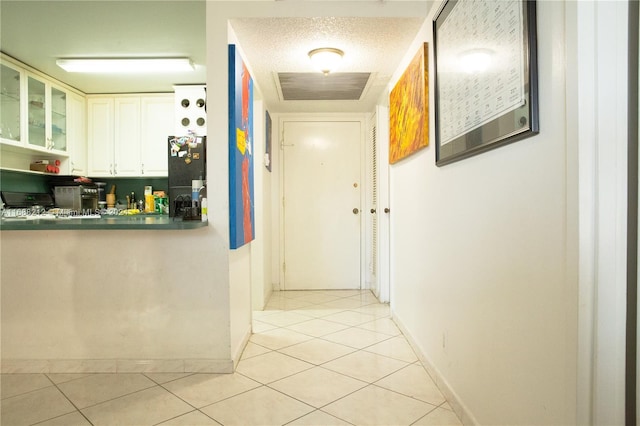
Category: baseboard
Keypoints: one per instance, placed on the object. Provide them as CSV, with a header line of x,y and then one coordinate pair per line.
x,y
267,296
461,410
12,366
240,348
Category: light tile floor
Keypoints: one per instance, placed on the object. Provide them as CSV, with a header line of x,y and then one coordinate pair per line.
x,y
316,358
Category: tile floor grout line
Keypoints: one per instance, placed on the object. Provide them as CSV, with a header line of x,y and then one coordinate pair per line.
x,y
180,398
402,394
283,377
70,401
319,410
27,392
169,381
184,414
420,418
119,396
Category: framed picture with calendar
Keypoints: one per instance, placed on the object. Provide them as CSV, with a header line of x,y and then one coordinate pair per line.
x,y
486,80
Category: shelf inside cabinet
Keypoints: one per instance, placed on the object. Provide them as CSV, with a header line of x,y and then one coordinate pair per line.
x,y
29,172
9,97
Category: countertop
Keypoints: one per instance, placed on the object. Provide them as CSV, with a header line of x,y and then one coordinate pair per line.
x,y
106,222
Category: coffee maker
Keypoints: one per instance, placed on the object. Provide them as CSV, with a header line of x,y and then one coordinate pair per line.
x,y
187,164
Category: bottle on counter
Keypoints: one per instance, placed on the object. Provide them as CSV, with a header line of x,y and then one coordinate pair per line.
x,y
204,210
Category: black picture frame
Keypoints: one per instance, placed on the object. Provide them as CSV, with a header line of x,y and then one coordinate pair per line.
x,y
476,111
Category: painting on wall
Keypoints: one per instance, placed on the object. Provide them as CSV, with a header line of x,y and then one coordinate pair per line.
x,y
241,206
409,109
267,149
486,78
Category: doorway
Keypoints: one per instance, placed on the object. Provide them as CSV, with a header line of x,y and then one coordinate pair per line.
x,y
321,204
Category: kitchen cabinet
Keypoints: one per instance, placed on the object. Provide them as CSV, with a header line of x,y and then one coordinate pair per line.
x,y
128,134
11,101
40,119
157,124
47,115
77,135
100,136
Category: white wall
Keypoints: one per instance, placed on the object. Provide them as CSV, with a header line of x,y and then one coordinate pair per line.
x,y
601,109
240,259
481,280
261,284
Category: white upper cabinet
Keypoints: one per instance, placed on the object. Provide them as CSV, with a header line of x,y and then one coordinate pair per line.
x,y
47,115
157,123
77,134
40,118
11,104
100,136
126,144
128,134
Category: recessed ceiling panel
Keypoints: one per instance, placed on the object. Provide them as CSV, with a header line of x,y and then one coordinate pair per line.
x,y
319,87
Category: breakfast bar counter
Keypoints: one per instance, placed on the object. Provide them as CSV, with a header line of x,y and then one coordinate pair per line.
x,y
106,222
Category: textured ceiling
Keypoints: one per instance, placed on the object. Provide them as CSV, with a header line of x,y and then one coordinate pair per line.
x,y
279,45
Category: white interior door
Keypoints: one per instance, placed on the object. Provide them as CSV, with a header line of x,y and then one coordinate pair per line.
x,y
383,205
321,204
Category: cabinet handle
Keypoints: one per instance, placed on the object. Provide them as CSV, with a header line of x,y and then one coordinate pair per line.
x,y
142,168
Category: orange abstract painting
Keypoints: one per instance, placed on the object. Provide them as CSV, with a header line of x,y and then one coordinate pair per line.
x,y
409,109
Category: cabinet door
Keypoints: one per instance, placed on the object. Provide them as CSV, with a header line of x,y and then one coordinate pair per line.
x,y
157,124
127,136
11,102
100,136
76,134
58,124
36,113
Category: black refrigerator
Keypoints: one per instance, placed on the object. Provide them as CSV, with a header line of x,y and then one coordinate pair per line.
x,y
187,162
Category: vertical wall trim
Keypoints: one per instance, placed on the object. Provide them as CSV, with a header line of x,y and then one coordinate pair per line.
x,y
632,222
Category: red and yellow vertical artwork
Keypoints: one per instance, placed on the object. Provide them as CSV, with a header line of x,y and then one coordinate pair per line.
x,y
241,207
409,109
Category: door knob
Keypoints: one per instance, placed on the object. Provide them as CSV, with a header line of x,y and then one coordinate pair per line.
x,y
386,210
355,210
373,211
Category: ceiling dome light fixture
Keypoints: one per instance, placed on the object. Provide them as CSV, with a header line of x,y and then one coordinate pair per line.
x,y
326,58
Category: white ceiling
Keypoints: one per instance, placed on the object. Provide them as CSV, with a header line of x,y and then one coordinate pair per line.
x,y
39,32
374,45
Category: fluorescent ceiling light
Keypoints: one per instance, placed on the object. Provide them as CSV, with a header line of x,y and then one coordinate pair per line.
x,y
326,58
123,65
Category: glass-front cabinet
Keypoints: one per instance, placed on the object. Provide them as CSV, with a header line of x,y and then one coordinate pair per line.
x,y
58,138
47,112
40,119
10,105
37,102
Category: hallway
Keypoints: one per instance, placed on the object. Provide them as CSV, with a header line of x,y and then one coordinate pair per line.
x,y
315,358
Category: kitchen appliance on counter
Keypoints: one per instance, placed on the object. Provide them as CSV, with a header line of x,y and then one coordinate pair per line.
x,y
82,198
187,163
18,204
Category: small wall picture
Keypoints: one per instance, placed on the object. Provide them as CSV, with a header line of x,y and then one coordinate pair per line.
x,y
268,138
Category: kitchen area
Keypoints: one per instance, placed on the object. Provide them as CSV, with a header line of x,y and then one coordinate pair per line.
x,y
143,155
109,260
